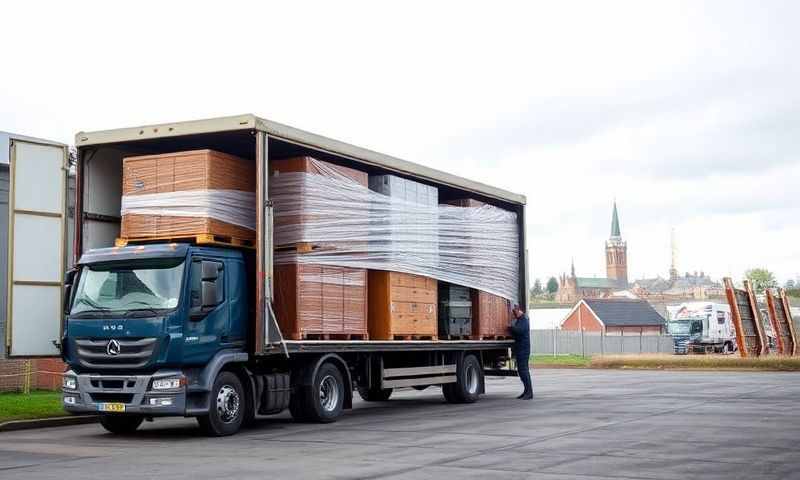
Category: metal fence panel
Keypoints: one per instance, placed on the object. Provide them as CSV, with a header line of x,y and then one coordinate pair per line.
x,y
564,342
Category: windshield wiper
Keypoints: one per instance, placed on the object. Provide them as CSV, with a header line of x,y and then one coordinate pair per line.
x,y
131,311
95,306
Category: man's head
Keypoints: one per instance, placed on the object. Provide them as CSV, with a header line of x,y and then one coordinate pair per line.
x,y
516,310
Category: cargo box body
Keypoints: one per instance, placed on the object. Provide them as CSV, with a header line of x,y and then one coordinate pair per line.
x,y
401,305
200,171
321,301
263,145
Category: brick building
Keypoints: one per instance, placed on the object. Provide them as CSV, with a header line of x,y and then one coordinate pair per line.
x,y
614,316
572,288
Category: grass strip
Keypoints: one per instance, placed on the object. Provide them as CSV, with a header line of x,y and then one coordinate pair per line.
x,y
708,362
37,404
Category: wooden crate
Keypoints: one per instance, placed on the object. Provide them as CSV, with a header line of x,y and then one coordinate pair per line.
x,y
402,306
491,316
321,301
184,171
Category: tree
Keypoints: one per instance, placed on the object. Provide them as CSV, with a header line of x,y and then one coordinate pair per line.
x,y
789,284
537,287
552,285
761,279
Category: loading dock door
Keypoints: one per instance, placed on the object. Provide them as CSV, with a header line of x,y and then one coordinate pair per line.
x,y
36,248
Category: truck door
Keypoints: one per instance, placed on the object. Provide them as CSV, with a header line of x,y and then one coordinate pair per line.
x,y
206,328
36,247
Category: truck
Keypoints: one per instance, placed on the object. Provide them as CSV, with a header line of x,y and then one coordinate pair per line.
x,y
701,327
201,340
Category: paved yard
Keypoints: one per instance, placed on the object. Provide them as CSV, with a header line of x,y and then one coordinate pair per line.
x,y
582,424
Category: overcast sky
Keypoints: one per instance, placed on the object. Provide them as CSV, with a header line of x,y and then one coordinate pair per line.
x,y
687,113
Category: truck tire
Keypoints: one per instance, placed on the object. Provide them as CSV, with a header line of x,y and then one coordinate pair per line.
x,y
227,404
324,401
121,424
375,394
726,349
469,376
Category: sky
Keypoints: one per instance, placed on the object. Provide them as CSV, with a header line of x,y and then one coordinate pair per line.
x,y
686,113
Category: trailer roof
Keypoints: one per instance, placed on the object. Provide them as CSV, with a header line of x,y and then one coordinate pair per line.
x,y
296,136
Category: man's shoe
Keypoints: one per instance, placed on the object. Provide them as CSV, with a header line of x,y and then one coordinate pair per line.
x,y
526,396
521,396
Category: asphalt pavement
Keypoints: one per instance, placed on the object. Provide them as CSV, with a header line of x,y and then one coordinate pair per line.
x,y
582,424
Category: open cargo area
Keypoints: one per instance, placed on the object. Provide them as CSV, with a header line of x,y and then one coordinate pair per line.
x,y
328,212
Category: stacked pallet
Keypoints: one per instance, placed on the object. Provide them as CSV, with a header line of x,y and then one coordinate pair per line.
x,y
186,194
313,301
403,305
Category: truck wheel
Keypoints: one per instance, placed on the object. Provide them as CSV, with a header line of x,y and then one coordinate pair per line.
x,y
121,424
468,382
375,394
726,349
227,409
324,401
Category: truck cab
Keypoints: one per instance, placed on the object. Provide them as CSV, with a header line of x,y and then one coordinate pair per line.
x,y
142,323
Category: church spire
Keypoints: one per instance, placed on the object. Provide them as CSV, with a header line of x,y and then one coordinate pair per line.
x,y
615,223
572,269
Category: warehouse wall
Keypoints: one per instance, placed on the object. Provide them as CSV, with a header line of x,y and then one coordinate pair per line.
x,y
4,185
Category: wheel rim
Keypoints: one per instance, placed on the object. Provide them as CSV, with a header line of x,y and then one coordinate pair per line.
x,y
472,379
329,393
228,403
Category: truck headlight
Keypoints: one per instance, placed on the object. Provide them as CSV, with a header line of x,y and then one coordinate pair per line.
x,y
69,382
70,400
161,402
167,383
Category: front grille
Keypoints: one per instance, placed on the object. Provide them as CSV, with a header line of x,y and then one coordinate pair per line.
x,y
133,353
112,397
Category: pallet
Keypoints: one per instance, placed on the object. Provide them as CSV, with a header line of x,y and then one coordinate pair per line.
x,y
328,336
491,337
199,239
414,337
303,247
455,337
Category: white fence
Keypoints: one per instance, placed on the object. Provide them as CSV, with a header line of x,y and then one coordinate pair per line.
x,y
562,342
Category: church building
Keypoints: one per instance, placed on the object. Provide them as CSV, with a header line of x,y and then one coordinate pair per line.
x,y
572,288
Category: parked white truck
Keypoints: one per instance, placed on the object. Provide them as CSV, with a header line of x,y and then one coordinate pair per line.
x,y
701,327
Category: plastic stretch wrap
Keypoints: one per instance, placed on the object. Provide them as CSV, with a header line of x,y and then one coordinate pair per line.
x,y
347,224
188,193
229,206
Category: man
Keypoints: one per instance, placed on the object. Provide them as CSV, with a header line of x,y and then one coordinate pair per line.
x,y
521,331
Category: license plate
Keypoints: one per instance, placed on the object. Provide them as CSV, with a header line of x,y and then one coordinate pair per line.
x,y
111,407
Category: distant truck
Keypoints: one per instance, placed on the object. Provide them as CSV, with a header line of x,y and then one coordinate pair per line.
x,y
701,327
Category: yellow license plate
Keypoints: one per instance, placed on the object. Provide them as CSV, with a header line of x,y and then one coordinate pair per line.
x,y
111,407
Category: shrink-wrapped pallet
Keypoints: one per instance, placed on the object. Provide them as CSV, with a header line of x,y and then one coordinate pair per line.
x,y
323,216
183,194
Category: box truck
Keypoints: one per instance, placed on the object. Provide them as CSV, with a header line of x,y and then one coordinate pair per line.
x,y
701,327
201,338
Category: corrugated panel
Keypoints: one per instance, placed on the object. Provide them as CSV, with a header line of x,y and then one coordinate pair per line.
x,y
749,319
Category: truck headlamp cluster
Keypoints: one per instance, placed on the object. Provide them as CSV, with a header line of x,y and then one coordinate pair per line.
x,y
69,382
168,383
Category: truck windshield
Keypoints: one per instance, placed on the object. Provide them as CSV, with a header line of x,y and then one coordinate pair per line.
x,y
141,286
679,328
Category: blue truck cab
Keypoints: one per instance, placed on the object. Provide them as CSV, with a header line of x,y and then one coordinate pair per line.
x,y
146,325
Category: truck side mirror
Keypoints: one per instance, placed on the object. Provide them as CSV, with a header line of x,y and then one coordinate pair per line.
x,y
208,294
69,279
209,270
